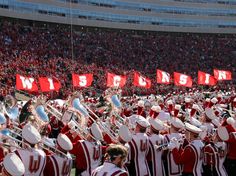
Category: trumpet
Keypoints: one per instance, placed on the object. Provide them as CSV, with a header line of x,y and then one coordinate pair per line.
x,y
163,146
224,109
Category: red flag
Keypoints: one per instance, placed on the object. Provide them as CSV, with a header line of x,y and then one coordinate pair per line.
x,y
49,84
115,80
163,77
141,81
26,83
222,74
182,80
84,80
206,79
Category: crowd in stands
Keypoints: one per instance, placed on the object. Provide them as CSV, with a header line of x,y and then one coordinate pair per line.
x,y
47,51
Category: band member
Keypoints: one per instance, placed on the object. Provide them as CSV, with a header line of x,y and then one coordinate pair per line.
x,y
188,104
12,165
230,162
154,112
60,163
171,167
143,108
215,154
124,138
114,159
5,150
156,147
88,152
139,146
208,118
56,126
191,156
33,159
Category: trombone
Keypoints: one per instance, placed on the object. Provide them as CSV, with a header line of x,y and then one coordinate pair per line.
x,y
9,134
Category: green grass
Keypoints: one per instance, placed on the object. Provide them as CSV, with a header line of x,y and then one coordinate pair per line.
x,y
72,173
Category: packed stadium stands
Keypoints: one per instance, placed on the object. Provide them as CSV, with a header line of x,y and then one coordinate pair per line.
x,y
39,49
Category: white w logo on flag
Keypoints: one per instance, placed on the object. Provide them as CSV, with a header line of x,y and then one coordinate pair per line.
x,y
27,82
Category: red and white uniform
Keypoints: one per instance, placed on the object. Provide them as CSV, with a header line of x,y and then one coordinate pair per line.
x,y
34,161
139,147
174,169
155,155
3,152
214,157
58,165
210,127
191,157
88,156
109,169
127,161
231,143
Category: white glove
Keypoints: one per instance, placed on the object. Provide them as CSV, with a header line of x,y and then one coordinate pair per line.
x,y
174,143
72,125
177,143
171,146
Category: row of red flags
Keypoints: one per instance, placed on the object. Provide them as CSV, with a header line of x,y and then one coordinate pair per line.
x,y
113,80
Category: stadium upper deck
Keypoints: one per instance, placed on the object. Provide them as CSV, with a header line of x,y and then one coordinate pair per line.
x,y
172,15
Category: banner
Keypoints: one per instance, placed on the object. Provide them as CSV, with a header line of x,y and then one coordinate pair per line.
x,y
222,75
115,80
26,83
206,79
49,84
84,80
163,77
141,81
182,80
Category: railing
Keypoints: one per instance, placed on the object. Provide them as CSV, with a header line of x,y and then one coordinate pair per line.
x,y
34,8
158,7
233,2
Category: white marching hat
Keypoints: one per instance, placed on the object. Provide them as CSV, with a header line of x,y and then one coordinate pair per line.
x,y
191,128
96,131
31,134
141,103
234,99
169,102
177,123
195,122
187,99
210,113
216,122
214,100
164,116
124,133
195,106
156,108
64,142
156,124
13,165
142,122
222,132
177,107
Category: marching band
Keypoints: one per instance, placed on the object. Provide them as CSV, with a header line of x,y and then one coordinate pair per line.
x,y
176,135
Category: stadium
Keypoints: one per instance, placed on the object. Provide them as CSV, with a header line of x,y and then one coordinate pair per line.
x,y
118,87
